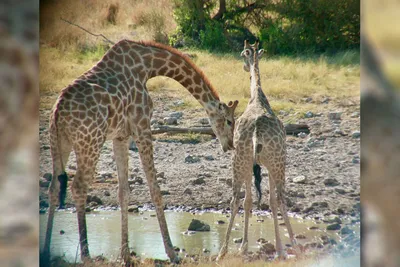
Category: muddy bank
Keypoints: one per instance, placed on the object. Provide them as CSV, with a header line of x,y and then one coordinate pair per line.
x,y
323,167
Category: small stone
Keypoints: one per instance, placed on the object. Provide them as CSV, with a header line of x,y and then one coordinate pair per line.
x,y
264,207
165,192
295,209
197,225
333,227
334,115
198,181
309,114
43,182
160,180
340,191
301,195
345,231
339,132
160,175
192,159
302,135
331,182
299,179
356,134
204,121
220,222
170,121
177,114
308,100
178,103
206,250
267,248
300,236
238,240
355,114
133,208
47,176
313,228
62,232
187,191
97,200
260,220
107,193
176,249
209,157
229,182
88,209
355,160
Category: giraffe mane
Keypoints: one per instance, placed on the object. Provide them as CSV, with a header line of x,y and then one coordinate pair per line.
x,y
185,57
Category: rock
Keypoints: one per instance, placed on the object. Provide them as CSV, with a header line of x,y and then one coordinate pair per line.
x,y
356,134
333,227
261,240
332,219
204,121
325,100
264,207
331,182
308,100
165,192
340,191
197,225
62,232
238,240
133,208
209,157
43,203
178,103
346,231
160,175
295,209
355,114
88,209
47,176
220,222
301,195
334,115
339,132
97,200
313,228
299,179
355,160
43,182
107,193
260,220
170,121
267,248
176,249
302,135
192,159
132,146
177,114
229,182
206,250
198,181
300,236
309,114
160,180
187,191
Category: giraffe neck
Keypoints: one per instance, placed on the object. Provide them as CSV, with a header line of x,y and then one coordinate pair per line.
x,y
257,94
137,62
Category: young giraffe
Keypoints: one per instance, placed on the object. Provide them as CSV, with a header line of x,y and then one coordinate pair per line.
x,y
111,101
259,140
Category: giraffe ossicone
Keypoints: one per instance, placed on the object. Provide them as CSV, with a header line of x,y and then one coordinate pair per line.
x,y
111,102
259,140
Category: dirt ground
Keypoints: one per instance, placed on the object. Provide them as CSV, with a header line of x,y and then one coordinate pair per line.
x,y
195,176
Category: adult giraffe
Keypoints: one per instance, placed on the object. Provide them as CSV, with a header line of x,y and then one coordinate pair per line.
x,y
111,101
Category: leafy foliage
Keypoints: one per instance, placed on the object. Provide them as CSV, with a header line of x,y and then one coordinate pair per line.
x,y
283,26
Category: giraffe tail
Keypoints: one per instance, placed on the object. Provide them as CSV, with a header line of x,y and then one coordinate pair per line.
x,y
56,150
257,182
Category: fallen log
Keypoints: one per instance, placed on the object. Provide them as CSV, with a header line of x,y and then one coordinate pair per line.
x,y
291,129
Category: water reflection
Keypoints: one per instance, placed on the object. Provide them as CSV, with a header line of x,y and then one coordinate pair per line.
x,y
104,233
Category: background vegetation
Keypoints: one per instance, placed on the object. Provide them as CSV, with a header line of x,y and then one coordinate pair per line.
x,y
289,77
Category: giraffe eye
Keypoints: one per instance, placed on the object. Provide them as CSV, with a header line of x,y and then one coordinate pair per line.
x,y
229,122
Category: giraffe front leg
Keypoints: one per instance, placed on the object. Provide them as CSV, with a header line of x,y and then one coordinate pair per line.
x,y
247,214
145,147
120,147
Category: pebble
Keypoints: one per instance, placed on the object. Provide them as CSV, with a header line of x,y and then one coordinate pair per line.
x,y
334,115
160,175
43,182
355,160
47,176
299,179
302,135
187,191
177,114
238,240
355,114
356,134
133,208
204,121
309,114
170,121
192,159
333,227
331,182
198,181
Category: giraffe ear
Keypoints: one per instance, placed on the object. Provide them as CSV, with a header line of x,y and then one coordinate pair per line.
x,y
260,52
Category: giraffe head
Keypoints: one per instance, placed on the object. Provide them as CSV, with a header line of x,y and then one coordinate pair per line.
x,y
223,123
250,54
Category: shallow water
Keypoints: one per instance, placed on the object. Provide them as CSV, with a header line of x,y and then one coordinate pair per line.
x,y
104,233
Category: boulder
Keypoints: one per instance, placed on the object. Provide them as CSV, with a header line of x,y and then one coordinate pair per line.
x,y
197,225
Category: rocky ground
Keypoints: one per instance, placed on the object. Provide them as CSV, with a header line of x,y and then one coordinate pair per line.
x,y
323,167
